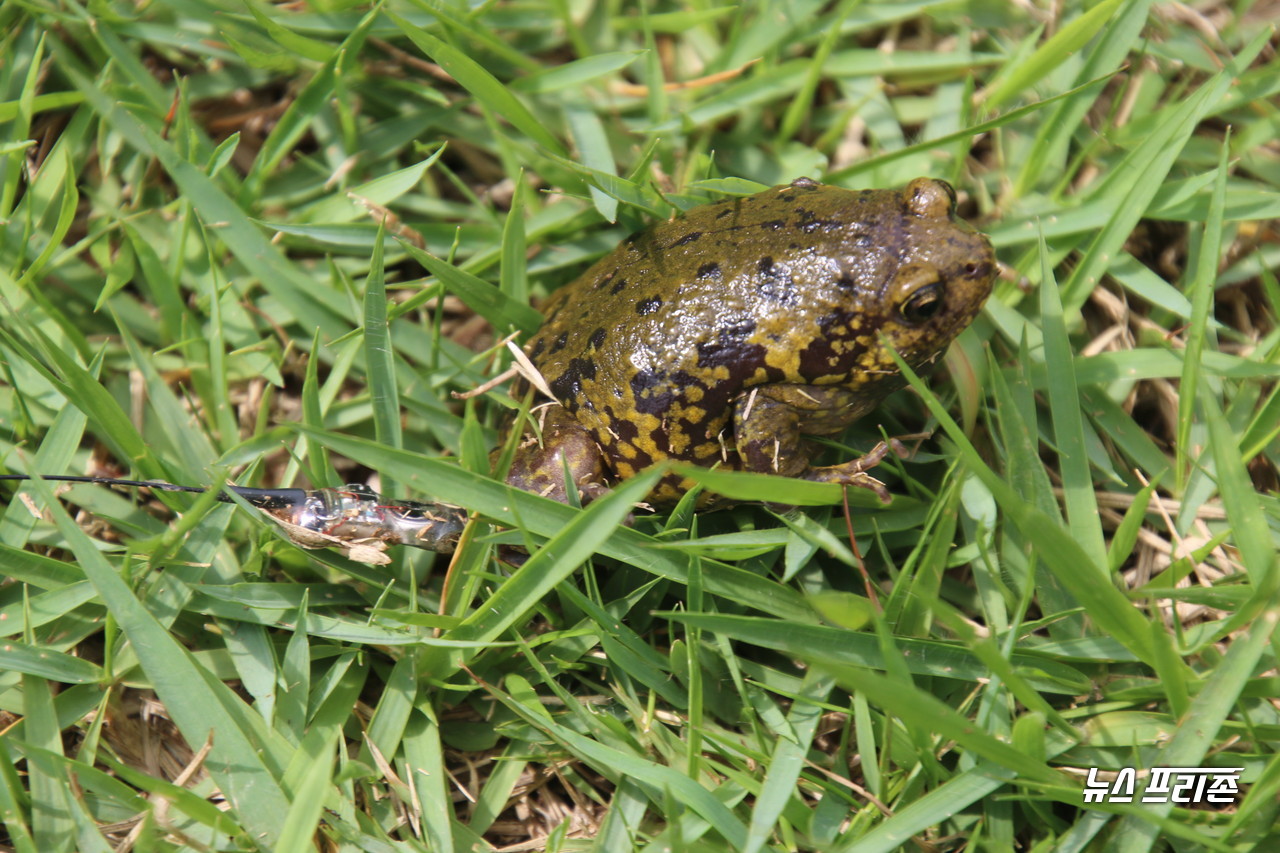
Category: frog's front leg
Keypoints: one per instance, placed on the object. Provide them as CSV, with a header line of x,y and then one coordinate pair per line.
x,y
539,466
768,423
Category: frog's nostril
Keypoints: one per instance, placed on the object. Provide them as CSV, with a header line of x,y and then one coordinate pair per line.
x,y
977,270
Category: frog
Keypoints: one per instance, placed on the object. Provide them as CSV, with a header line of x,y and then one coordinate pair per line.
x,y
721,337
726,335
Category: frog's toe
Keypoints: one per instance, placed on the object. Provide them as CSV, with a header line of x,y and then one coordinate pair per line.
x,y
866,481
850,474
588,492
853,473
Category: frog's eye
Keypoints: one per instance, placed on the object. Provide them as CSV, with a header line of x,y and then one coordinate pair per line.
x,y
924,304
951,194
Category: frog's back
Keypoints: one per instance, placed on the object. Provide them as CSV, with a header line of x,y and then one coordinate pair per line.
x,y
651,346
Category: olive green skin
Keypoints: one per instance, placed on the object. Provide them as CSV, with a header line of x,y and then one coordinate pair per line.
x,y
721,336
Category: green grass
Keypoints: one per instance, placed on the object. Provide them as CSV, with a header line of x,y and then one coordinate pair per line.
x,y
267,242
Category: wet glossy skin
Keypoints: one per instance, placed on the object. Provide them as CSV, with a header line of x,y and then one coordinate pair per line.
x,y
721,336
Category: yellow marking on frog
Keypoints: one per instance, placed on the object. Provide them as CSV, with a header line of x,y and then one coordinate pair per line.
x,y
871,359
786,360
677,441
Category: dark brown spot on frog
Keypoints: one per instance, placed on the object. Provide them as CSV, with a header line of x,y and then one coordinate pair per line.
x,y
619,287
568,385
643,458
684,379
775,224
625,429
838,322
689,427
688,238
648,306
597,338
730,353
652,393
776,284
560,342
821,225
822,357
709,270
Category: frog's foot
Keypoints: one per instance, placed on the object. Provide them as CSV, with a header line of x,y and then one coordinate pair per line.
x,y
854,473
769,423
540,466
566,453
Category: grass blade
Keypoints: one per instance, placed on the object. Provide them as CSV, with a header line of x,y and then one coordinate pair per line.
x,y
237,759
1068,426
1201,288
481,84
